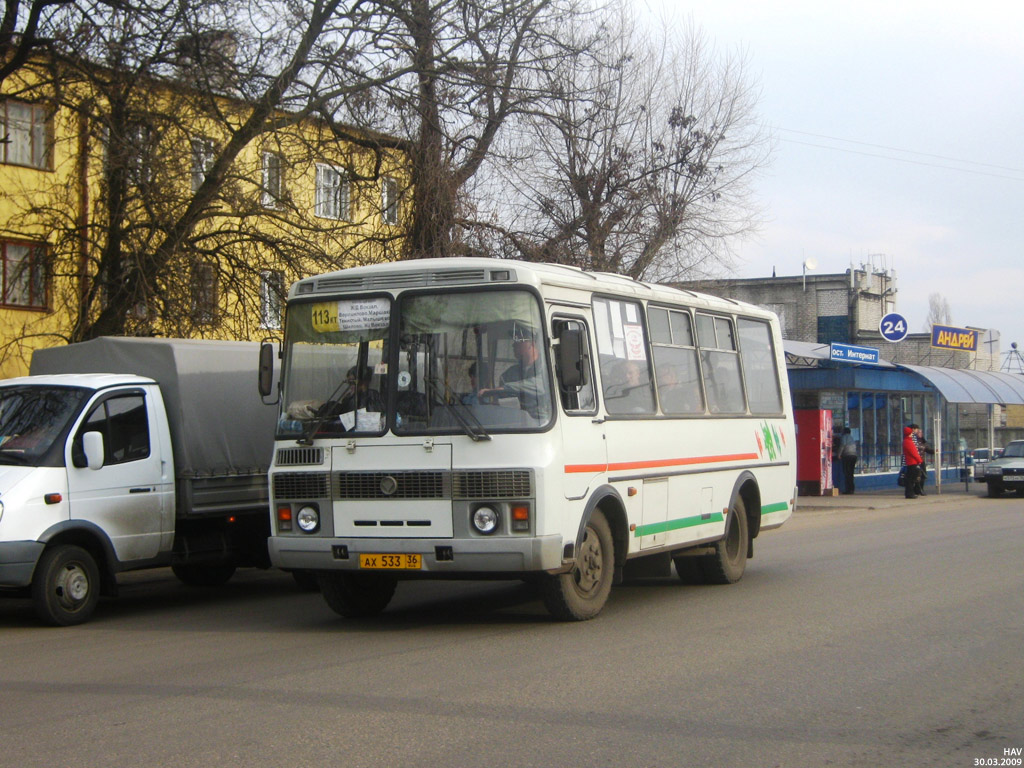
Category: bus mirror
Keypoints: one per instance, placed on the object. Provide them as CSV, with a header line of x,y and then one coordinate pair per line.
x,y
570,358
266,373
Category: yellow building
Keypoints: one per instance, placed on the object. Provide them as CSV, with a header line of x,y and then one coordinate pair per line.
x,y
106,225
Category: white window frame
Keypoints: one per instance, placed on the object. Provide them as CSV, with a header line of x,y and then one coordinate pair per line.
x,y
271,299
389,200
25,135
202,160
333,193
272,189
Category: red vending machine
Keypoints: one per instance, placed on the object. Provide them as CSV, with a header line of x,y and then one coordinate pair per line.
x,y
814,452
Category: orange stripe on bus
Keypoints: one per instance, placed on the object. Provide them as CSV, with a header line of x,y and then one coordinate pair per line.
x,y
658,463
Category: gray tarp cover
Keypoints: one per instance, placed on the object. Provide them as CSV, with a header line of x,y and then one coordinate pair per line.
x,y
219,424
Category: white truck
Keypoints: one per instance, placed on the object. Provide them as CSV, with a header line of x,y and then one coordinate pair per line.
x,y
119,454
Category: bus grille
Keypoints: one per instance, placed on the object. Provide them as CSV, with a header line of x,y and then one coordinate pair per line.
x,y
390,485
293,457
300,485
502,484
428,484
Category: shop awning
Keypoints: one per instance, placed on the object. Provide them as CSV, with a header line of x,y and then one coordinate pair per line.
x,y
966,386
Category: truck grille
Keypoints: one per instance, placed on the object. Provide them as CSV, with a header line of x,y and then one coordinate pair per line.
x,y
463,484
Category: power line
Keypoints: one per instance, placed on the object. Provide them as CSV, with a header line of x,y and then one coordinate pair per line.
x,y
905,151
907,160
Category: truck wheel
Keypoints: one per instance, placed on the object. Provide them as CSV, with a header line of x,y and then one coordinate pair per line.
x,y
581,593
203,575
66,586
729,562
357,595
995,490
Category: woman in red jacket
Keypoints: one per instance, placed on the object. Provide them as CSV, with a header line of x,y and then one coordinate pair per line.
x,y
912,458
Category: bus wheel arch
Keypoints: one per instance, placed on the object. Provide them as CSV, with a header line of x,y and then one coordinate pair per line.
x,y
747,489
609,502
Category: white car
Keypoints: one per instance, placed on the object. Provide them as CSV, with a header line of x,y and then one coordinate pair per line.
x,y
1007,472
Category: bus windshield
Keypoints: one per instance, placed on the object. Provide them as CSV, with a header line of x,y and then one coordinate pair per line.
x,y
468,362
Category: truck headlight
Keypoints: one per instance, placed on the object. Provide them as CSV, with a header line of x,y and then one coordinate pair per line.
x,y
308,519
485,519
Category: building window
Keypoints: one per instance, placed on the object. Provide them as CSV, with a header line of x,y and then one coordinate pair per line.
x,y
273,180
202,161
271,298
25,134
332,193
24,275
389,200
204,294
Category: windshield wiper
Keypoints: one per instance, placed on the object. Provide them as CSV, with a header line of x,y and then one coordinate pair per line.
x,y
463,413
322,412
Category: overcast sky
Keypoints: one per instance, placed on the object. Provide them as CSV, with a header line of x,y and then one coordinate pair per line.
x,y
899,132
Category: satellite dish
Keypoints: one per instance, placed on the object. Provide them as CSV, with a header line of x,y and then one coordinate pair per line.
x,y
811,263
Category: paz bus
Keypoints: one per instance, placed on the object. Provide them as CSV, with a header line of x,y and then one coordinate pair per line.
x,y
486,418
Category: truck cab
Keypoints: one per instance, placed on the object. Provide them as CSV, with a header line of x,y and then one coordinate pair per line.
x,y
86,487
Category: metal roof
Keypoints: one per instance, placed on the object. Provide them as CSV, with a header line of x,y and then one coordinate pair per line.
x,y
956,385
960,385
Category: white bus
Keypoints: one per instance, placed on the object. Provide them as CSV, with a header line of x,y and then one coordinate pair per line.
x,y
482,418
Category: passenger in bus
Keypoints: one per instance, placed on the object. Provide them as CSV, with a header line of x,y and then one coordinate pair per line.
x,y
522,380
675,396
473,397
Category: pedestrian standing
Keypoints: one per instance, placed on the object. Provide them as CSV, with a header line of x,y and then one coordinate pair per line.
x,y
912,460
848,457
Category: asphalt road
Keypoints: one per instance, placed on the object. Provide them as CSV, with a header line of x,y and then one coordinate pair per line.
x,y
891,637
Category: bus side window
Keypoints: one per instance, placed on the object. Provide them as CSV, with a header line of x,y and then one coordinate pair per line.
x,y
579,399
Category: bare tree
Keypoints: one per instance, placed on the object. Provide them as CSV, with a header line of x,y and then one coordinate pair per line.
x,y
642,158
472,65
153,92
939,312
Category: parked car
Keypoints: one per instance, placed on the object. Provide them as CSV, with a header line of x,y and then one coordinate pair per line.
x,y
1006,473
979,457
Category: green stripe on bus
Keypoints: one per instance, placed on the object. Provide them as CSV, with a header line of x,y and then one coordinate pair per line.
x,y
673,525
767,509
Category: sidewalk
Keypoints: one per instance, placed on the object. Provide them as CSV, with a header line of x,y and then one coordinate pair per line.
x,y
889,498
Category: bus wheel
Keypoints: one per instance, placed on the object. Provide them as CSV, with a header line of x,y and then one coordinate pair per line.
x,y
356,595
581,593
726,566
66,586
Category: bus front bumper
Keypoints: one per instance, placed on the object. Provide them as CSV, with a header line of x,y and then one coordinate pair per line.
x,y
439,557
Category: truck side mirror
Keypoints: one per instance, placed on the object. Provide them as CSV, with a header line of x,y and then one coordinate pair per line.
x,y
266,373
570,358
92,444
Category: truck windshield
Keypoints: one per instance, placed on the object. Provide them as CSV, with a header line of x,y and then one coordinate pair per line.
x,y
32,418
468,362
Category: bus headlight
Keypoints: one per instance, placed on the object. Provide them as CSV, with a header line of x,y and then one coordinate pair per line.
x,y
485,520
308,519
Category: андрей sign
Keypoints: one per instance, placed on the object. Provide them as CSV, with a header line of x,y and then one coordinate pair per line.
x,y
954,338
